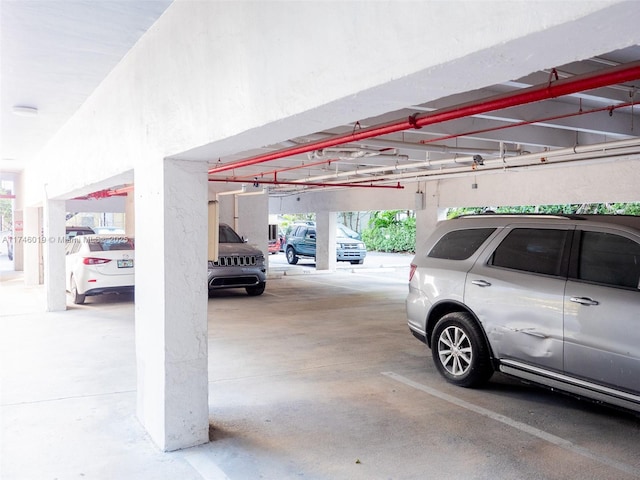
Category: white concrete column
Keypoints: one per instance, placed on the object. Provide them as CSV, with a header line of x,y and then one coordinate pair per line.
x,y
130,215
430,214
18,222
326,241
253,218
53,244
18,240
29,245
171,302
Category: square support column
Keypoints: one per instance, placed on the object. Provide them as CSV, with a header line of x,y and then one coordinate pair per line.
x,y
429,215
171,302
130,215
53,243
30,250
18,240
326,241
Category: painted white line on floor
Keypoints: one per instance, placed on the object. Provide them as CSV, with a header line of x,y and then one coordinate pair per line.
x,y
523,427
207,468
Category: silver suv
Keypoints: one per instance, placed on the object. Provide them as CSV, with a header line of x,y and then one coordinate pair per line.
x,y
239,264
553,300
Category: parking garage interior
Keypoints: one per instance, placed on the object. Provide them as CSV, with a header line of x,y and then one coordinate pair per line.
x,y
411,105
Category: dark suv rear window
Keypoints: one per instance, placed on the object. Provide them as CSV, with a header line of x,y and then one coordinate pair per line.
x,y
532,250
460,244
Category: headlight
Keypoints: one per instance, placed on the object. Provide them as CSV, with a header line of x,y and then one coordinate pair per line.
x,y
361,246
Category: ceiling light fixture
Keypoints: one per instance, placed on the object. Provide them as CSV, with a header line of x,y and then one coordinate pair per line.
x,y
24,111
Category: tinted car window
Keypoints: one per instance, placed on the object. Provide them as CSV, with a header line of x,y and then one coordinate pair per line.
x,y
609,259
106,244
227,235
532,250
460,244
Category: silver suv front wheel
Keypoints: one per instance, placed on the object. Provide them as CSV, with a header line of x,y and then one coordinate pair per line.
x,y
459,350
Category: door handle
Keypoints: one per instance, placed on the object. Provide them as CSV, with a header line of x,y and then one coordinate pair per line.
x,y
584,301
481,283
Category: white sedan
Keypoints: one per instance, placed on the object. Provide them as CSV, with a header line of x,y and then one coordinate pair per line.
x,y
97,264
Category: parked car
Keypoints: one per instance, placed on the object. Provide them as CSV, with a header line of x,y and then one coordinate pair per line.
x,y
239,264
103,230
291,228
99,264
344,231
274,246
301,242
75,231
548,299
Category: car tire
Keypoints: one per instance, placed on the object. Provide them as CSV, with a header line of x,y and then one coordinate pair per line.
x,y
460,351
357,262
77,298
292,258
256,289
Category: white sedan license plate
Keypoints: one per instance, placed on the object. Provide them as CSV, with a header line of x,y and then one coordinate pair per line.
x,y
125,263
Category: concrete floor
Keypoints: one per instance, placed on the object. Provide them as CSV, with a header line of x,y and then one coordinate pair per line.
x,y
318,378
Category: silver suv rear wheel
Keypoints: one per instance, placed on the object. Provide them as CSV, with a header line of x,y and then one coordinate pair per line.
x,y
459,350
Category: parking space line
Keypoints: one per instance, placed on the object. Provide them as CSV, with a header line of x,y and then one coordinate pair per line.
x,y
523,427
206,467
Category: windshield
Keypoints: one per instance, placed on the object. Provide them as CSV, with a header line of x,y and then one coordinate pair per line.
x,y
227,235
345,232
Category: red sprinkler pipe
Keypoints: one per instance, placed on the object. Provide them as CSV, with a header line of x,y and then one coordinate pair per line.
x,y
610,108
567,86
310,184
120,192
287,169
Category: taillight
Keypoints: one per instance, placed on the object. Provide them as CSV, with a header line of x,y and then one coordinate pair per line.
x,y
95,261
412,271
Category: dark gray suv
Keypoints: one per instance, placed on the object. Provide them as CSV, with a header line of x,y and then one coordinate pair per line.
x,y
239,264
554,300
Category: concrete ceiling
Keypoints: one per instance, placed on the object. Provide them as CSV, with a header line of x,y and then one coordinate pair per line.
x,y
557,129
55,53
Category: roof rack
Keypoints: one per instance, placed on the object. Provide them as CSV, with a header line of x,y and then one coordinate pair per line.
x,y
632,221
522,215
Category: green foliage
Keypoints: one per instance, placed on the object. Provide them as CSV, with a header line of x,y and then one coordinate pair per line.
x,y
290,219
580,208
391,231
352,219
6,212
